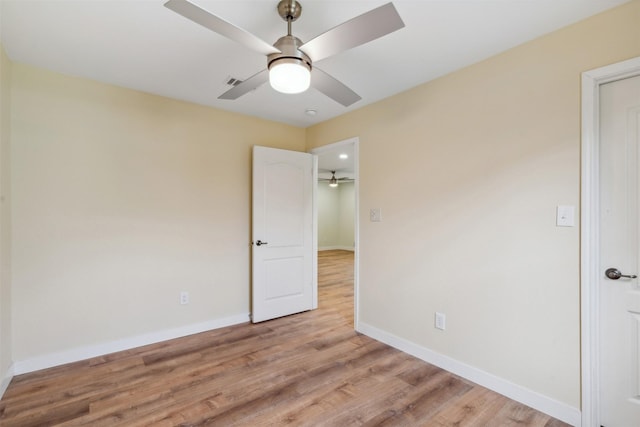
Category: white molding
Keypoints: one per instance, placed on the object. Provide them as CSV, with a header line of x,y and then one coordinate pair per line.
x,y
542,403
589,238
334,145
6,379
356,237
87,352
355,141
314,234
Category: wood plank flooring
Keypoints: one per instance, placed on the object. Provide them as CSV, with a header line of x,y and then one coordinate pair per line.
x,y
309,369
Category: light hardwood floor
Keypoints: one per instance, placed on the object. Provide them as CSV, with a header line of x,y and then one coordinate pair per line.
x,y
309,369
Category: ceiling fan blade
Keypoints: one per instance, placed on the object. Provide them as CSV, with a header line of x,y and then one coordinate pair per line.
x,y
333,88
246,86
359,30
220,26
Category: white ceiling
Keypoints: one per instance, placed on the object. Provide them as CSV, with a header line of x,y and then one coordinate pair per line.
x,y
140,44
329,160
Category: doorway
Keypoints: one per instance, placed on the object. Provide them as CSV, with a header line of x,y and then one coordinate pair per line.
x,y
592,237
340,161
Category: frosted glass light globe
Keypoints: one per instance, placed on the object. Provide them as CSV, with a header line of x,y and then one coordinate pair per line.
x,y
289,77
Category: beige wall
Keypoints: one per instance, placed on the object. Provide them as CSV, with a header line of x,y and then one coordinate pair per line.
x,y
5,218
484,156
336,216
346,214
121,201
328,225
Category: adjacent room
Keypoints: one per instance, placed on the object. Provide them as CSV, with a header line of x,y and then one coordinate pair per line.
x,y
455,265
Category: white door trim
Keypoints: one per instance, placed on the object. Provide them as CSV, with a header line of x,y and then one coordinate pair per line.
x,y
590,239
356,272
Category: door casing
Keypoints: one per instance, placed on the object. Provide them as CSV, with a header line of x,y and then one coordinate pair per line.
x,y
589,233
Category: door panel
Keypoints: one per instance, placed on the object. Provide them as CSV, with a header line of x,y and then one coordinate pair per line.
x,y
283,277
619,299
285,203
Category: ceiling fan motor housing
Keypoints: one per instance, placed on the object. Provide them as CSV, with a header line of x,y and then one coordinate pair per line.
x,y
289,52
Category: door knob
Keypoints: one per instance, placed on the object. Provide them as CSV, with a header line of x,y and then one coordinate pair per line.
x,y
615,274
260,243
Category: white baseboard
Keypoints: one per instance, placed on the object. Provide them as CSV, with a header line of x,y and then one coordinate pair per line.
x,y
87,352
535,400
337,248
6,379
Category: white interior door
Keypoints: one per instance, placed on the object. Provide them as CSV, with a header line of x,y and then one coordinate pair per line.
x,y
283,246
619,315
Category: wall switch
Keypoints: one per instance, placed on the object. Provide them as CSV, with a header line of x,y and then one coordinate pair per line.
x,y
184,298
440,321
565,216
375,215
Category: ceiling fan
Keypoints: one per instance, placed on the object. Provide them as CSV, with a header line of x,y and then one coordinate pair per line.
x,y
333,181
289,60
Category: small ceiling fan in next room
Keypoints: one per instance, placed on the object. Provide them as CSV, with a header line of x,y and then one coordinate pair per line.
x,y
333,181
290,61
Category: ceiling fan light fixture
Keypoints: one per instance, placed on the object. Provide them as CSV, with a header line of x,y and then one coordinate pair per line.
x,y
333,182
290,69
288,59
289,75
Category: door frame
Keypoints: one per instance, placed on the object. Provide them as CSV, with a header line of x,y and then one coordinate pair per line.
x,y
590,233
355,141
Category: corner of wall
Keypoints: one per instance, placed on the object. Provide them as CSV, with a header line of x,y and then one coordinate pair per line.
x,y
6,380
6,365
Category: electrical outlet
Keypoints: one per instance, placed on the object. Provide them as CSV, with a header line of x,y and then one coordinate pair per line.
x,y
441,319
184,297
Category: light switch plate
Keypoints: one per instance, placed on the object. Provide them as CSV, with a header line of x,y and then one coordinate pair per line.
x,y
565,216
375,215
441,320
